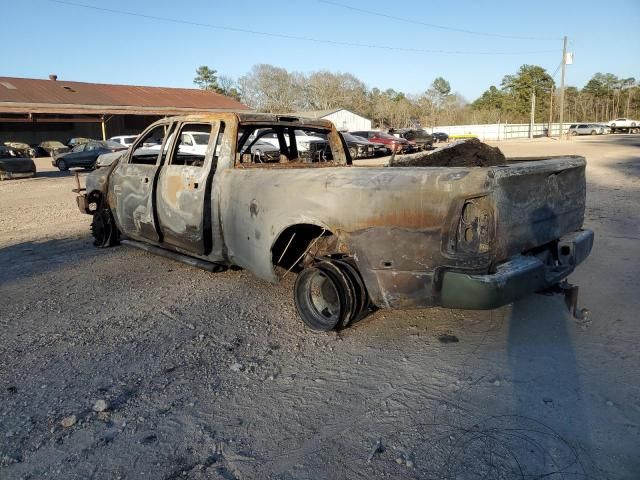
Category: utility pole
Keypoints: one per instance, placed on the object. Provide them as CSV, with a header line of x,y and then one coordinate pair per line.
x,y
550,112
533,112
564,64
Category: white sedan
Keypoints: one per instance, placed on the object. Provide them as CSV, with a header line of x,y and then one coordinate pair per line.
x,y
624,123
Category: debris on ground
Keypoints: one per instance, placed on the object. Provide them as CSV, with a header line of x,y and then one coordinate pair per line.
x,y
68,422
377,448
463,153
100,406
236,367
448,338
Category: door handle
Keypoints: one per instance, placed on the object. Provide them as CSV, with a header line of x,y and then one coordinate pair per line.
x,y
145,179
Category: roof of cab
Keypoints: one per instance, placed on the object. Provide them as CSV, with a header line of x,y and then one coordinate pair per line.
x,y
254,118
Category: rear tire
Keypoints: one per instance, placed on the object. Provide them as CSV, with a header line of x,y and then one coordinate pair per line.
x,y
593,132
331,295
319,299
574,133
62,165
361,296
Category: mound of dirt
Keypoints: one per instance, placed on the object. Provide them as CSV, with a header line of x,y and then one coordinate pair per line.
x,y
464,153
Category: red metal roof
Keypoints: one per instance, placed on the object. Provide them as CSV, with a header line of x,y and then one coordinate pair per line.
x,y
61,96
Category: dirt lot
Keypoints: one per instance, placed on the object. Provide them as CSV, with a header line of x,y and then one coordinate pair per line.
x,y
212,376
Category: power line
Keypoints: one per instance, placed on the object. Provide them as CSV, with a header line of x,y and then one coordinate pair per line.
x,y
289,37
433,25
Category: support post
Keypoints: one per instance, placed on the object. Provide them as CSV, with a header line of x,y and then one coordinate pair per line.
x,y
550,113
564,64
532,120
103,123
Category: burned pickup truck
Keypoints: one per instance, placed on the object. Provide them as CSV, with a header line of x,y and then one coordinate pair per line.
x,y
358,238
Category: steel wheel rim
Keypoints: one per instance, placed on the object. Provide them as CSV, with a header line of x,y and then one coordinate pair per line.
x,y
318,299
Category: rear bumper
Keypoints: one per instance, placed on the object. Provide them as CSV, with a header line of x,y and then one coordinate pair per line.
x,y
519,276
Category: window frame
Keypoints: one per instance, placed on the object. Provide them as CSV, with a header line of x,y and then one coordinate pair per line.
x,y
139,143
180,126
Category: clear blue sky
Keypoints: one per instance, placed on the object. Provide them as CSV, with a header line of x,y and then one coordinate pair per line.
x,y
40,37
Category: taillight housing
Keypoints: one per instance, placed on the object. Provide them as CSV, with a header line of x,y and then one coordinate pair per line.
x,y
475,226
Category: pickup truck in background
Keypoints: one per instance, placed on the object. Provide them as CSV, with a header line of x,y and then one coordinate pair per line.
x,y
358,238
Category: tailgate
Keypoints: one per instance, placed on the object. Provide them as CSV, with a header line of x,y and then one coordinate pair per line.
x,y
537,201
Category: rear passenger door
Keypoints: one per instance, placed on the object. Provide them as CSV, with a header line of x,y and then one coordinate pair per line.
x,y
183,195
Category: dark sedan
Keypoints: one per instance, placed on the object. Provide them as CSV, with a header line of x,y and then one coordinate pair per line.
x,y
22,149
360,147
440,137
85,155
13,165
418,137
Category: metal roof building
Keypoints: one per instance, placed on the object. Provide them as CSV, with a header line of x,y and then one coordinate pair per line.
x,y
342,118
33,110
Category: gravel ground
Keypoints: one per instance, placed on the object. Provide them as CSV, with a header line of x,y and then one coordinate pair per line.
x,y
116,363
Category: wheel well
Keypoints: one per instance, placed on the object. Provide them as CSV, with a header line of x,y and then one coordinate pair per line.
x,y
294,241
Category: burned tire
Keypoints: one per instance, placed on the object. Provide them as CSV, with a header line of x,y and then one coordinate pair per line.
x,y
103,228
361,296
347,289
330,295
319,299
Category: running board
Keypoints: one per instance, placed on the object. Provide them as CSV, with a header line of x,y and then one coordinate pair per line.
x,y
179,257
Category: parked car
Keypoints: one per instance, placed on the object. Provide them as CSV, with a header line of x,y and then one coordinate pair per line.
x,y
124,139
13,165
360,147
585,129
260,150
52,148
311,146
395,144
85,154
625,124
22,149
406,237
440,137
72,142
380,149
417,136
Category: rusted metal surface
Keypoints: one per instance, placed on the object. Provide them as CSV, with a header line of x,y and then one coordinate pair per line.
x,y
60,96
402,226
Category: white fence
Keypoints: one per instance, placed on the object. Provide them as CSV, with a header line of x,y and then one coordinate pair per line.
x,y
502,131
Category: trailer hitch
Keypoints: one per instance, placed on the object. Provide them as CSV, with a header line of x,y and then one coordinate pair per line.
x,y
570,293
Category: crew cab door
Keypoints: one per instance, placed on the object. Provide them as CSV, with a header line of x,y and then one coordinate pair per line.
x,y
183,198
132,183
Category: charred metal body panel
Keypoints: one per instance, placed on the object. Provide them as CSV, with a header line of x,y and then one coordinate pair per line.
x,y
417,235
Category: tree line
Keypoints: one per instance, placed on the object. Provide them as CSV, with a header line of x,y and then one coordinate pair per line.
x,y
268,88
